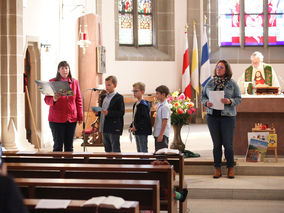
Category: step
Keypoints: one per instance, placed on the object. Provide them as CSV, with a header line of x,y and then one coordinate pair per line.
x,y
234,206
206,167
241,187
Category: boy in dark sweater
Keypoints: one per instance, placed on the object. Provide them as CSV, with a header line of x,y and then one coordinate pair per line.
x,y
111,117
141,122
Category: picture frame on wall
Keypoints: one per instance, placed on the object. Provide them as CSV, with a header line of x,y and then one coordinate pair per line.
x,y
101,59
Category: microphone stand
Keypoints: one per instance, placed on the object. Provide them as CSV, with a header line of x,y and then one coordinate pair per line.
x,y
84,123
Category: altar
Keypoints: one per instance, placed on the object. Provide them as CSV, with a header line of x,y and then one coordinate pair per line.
x,y
266,109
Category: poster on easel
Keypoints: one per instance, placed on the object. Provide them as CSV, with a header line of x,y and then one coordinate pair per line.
x,y
256,150
272,139
258,135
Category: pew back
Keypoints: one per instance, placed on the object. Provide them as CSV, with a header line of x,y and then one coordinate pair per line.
x,y
86,188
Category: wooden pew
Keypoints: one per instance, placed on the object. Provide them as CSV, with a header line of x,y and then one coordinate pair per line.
x,y
75,206
57,188
163,173
97,157
101,158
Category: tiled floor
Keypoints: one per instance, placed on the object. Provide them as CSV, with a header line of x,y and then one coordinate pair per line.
x,y
196,138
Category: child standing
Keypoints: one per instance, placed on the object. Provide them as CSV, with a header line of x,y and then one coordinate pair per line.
x,y
111,117
163,119
141,124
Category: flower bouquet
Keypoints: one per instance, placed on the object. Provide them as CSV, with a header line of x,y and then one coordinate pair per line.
x,y
181,108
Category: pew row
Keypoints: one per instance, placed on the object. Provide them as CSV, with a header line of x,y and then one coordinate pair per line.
x,y
58,188
101,158
75,206
163,173
96,157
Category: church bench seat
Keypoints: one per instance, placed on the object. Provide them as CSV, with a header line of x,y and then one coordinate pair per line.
x,y
146,192
101,158
163,173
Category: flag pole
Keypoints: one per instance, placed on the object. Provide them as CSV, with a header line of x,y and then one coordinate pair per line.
x,y
203,110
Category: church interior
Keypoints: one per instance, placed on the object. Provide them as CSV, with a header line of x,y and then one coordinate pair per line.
x,y
146,44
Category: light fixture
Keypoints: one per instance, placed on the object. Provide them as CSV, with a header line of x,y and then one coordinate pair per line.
x,y
46,46
83,37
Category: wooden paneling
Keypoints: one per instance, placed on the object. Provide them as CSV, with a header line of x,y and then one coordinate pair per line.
x,y
258,110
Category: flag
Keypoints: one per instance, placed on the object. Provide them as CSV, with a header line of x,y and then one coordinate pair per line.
x,y
186,86
205,65
194,65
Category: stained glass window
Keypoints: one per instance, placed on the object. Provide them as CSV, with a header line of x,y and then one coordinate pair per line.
x,y
229,22
129,19
144,6
275,22
254,19
125,29
253,22
125,19
144,22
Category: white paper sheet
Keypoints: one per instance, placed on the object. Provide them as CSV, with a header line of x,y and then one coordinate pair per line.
x,y
215,98
52,204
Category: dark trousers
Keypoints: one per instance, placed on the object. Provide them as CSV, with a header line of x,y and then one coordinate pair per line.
x,y
163,144
222,133
141,143
63,134
111,142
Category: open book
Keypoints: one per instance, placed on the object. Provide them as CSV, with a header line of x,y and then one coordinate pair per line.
x,y
107,202
52,87
167,151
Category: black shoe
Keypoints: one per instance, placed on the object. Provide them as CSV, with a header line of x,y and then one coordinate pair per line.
x,y
183,193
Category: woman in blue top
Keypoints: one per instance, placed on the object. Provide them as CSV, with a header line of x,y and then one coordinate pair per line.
x,y
221,123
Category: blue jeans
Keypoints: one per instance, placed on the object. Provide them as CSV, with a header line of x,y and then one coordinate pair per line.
x,y
63,134
222,133
111,142
141,143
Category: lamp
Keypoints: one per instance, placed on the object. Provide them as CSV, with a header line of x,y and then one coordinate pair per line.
x,y
83,36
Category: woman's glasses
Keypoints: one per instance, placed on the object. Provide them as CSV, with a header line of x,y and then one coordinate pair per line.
x,y
220,67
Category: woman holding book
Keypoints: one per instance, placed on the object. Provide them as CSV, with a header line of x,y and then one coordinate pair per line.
x,y
64,111
221,123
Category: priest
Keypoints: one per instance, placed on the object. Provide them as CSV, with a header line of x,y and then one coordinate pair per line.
x,y
258,74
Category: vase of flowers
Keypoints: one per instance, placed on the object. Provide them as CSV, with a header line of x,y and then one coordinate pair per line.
x,y
181,111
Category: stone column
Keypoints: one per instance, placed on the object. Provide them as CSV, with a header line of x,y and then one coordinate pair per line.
x,y
13,134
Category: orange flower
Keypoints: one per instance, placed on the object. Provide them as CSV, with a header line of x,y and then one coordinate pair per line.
x,y
154,115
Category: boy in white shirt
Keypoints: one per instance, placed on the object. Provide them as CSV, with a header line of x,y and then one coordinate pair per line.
x,y
163,119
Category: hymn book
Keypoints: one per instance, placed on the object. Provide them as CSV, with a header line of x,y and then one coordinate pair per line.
x,y
50,88
107,202
167,151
